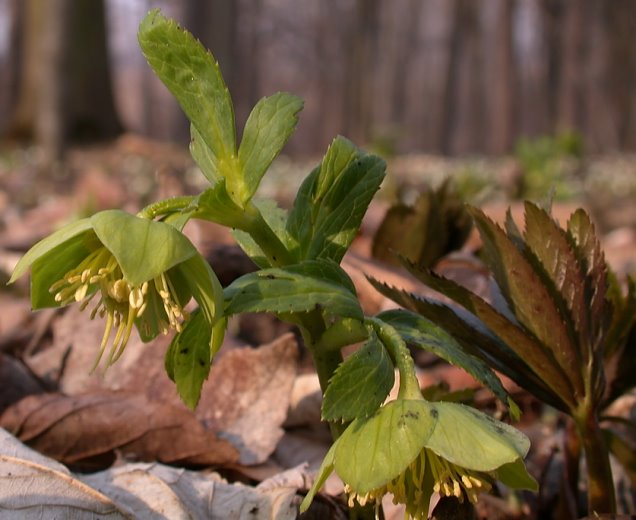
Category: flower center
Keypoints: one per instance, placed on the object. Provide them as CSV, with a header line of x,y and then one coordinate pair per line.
x,y
428,473
120,302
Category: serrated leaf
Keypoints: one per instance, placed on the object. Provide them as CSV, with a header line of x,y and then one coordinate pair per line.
x,y
360,384
311,285
268,127
525,346
143,248
427,335
192,75
531,302
373,451
332,201
588,248
204,157
188,359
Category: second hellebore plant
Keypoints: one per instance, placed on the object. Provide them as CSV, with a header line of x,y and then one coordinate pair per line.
x,y
141,271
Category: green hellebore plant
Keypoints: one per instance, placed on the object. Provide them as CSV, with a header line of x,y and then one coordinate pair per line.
x,y
136,271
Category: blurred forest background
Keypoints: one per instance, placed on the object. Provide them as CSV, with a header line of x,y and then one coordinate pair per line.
x,y
453,77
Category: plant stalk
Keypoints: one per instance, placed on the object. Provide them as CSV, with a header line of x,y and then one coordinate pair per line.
x,y
600,493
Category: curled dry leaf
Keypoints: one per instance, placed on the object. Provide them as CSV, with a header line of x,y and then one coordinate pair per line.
x,y
86,430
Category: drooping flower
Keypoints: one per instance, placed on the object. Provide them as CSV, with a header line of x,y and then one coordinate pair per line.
x,y
133,271
413,448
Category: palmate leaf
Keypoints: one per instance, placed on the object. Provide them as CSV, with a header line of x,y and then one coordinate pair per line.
x,y
310,285
192,75
531,302
360,384
425,334
332,201
476,340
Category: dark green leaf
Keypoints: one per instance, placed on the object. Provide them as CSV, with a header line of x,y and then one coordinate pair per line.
x,y
192,75
188,358
268,128
425,334
360,384
532,304
332,201
311,285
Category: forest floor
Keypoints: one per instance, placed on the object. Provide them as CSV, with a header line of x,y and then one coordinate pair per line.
x,y
106,436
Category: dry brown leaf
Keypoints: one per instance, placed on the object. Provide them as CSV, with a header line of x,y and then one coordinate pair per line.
x,y
247,396
86,430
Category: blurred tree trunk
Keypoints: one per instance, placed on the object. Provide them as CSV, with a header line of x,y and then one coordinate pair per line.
x,y
361,58
65,93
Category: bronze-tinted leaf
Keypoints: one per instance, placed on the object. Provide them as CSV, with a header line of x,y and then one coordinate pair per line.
x,y
523,343
475,338
530,301
551,247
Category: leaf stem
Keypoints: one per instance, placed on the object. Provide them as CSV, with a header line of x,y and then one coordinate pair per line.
x,y
166,206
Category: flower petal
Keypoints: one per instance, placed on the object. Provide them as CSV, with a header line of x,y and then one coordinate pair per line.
x,y
473,440
373,451
143,248
49,243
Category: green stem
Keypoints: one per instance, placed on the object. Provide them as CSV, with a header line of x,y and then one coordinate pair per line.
x,y
164,207
275,251
600,484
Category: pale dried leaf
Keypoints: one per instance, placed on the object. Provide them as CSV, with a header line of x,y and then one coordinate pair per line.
x,y
30,485
155,491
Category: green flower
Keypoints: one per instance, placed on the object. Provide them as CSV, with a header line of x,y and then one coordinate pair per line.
x,y
412,448
131,270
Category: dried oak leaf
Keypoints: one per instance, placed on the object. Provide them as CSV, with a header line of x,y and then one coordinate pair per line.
x,y
247,397
85,430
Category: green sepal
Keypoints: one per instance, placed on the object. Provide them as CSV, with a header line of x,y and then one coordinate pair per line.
x,y
426,335
143,248
52,266
193,76
204,286
461,429
268,127
516,476
326,469
373,451
310,285
360,384
48,244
